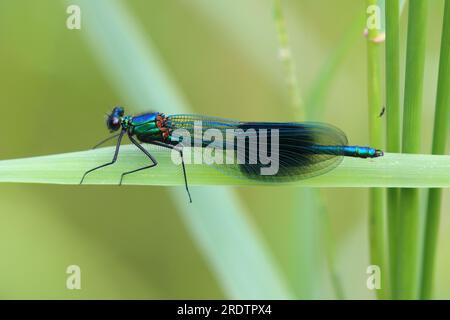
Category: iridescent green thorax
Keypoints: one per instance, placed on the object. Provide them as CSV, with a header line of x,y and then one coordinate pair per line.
x,y
147,126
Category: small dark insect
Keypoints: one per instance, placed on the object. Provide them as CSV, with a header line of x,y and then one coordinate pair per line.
x,y
382,112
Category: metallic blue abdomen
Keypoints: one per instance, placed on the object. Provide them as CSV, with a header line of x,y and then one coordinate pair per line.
x,y
348,151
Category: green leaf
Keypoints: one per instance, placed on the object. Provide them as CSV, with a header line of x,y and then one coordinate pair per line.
x,y
409,250
391,170
440,137
393,128
376,196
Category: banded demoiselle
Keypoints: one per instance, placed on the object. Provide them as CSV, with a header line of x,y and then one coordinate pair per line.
x,y
303,149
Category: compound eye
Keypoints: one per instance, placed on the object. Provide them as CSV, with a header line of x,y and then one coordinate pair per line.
x,y
113,123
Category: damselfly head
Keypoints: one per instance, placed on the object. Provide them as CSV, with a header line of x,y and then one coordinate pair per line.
x,y
114,120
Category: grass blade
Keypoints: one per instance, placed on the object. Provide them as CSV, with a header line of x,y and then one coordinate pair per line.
x,y
304,232
220,229
376,196
393,126
392,170
440,137
409,243
284,52
304,257
310,218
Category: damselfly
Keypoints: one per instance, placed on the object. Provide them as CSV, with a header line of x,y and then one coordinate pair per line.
x,y
301,149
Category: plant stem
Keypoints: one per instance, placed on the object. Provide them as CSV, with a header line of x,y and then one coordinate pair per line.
x,y
304,233
393,126
409,242
440,136
376,196
285,55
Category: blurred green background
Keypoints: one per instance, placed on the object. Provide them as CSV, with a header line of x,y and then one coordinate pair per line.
x,y
137,242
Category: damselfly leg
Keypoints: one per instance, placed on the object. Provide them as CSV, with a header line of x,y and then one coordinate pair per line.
x,y
169,146
114,159
146,153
